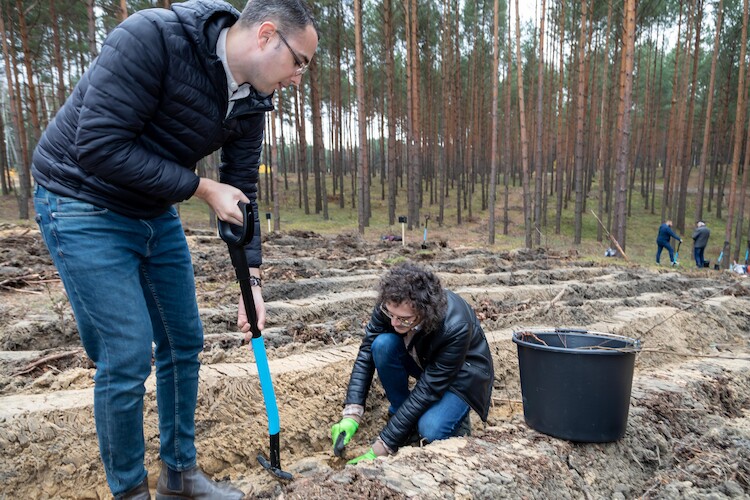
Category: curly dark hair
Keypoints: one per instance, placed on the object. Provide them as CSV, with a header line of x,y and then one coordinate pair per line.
x,y
419,288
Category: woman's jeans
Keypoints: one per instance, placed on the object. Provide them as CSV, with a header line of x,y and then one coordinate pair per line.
x,y
130,283
394,364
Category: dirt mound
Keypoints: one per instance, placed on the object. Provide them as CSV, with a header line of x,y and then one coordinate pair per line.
x,y
688,433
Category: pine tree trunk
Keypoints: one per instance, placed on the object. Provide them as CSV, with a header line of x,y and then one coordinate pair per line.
x,y
18,141
739,126
538,188
707,124
390,111
560,143
359,83
683,157
93,51
623,130
321,195
524,138
580,107
495,123
603,143
275,167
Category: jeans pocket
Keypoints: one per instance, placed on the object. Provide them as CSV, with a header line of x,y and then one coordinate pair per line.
x,y
73,207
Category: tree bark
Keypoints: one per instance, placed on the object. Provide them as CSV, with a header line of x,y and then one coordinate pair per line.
x,y
580,107
524,138
623,129
495,122
93,51
709,109
538,189
739,125
603,150
361,119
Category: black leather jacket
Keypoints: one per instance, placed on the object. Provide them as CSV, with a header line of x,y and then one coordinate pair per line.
x,y
148,109
455,357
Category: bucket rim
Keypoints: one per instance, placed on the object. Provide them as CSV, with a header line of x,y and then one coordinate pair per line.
x,y
634,345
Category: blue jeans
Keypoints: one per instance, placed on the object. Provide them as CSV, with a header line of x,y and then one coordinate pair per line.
x,y
394,365
698,253
669,248
130,283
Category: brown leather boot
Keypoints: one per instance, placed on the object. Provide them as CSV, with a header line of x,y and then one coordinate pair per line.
x,y
140,492
193,484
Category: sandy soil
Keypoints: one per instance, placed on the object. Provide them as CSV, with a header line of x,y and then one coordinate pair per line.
x,y
688,431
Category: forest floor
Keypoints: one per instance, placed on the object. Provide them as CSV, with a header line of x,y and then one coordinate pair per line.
x,y
687,436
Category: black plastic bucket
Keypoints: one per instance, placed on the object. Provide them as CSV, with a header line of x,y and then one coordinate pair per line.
x,y
575,383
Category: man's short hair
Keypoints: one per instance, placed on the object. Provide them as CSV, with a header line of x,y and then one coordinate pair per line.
x,y
290,16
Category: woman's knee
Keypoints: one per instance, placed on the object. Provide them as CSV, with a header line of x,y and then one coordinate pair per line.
x,y
386,345
433,429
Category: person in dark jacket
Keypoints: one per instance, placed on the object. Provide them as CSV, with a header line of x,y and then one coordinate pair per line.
x,y
663,239
700,241
420,330
169,87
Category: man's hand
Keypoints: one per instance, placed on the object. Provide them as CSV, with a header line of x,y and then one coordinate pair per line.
x,y
348,426
223,199
370,455
260,311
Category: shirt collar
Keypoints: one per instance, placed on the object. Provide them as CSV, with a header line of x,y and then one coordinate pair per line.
x,y
234,90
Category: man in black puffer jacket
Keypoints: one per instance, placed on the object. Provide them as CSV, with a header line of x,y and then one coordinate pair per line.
x,y
169,87
418,329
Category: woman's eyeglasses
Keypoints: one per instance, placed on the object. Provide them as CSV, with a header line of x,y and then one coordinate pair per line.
x,y
407,322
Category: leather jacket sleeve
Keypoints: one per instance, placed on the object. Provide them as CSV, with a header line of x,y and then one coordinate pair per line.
x,y
447,354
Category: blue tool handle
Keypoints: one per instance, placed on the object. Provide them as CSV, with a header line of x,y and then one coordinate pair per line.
x,y
266,385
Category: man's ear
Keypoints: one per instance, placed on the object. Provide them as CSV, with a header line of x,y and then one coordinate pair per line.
x,y
266,31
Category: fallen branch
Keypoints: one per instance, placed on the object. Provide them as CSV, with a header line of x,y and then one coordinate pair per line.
x,y
557,297
612,238
46,359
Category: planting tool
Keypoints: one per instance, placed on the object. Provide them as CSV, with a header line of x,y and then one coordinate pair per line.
x,y
677,253
338,448
717,266
424,238
236,238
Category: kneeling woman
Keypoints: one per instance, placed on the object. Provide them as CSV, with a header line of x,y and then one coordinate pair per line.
x,y
418,329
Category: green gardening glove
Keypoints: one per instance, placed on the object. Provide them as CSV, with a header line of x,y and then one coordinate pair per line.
x,y
342,433
370,455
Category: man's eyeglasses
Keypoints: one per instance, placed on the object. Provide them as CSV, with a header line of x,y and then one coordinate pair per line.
x,y
406,322
301,66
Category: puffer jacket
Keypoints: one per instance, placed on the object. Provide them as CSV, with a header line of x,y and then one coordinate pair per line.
x,y
152,105
455,357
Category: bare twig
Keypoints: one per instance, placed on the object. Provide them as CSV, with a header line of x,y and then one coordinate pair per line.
x,y
532,335
46,359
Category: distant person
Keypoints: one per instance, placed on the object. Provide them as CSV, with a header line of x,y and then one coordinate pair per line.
x,y
663,241
700,240
169,87
420,330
